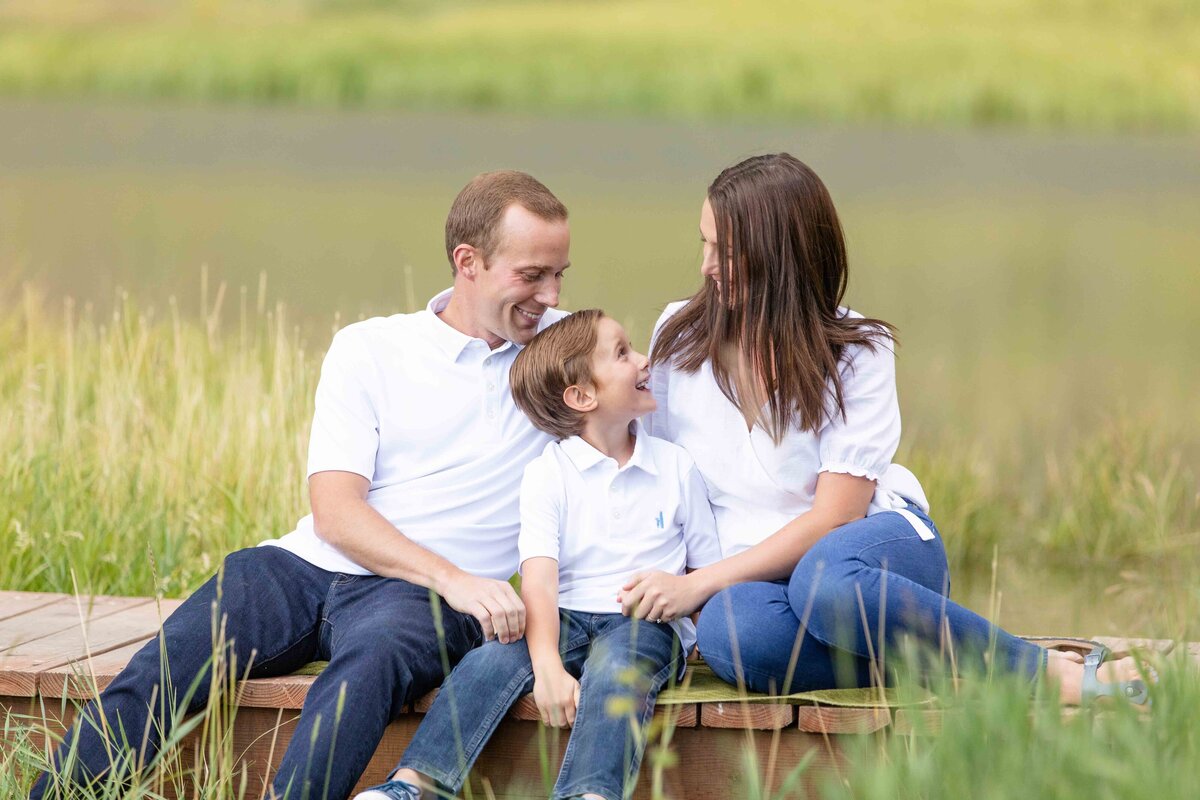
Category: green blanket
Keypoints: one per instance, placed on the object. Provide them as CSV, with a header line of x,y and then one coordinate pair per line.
x,y
701,685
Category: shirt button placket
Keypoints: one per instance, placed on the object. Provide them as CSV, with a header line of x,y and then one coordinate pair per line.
x,y
491,401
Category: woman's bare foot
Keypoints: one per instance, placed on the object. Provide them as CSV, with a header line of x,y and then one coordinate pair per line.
x,y
1066,670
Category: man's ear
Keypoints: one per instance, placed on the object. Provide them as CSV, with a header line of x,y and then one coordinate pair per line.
x,y
580,398
467,261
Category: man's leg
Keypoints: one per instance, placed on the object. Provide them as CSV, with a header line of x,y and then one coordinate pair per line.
x,y
629,662
386,646
262,605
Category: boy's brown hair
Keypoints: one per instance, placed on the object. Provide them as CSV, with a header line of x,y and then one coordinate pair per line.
x,y
558,357
476,213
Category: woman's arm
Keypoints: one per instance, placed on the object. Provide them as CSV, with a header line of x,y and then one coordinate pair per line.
x,y
839,499
554,690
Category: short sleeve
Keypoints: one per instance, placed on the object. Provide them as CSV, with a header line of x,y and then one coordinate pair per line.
x,y
542,506
699,525
864,442
345,428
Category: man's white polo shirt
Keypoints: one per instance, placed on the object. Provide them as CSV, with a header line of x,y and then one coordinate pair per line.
x,y
603,523
424,413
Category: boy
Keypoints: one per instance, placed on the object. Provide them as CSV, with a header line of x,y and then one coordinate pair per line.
x,y
601,503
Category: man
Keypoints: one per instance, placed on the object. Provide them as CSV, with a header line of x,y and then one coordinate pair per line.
x,y
414,469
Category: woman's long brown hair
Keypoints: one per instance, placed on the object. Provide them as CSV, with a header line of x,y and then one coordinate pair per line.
x,y
783,274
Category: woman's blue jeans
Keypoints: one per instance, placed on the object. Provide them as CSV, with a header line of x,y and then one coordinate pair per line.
x,y
850,601
621,664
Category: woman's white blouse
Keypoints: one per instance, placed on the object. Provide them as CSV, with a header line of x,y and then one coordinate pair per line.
x,y
756,486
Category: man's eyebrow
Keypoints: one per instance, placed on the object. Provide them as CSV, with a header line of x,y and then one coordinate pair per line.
x,y
543,268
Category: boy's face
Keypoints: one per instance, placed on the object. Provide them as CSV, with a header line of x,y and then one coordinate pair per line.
x,y
620,374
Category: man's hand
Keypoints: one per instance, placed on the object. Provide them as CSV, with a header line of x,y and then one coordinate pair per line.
x,y
557,696
494,603
659,596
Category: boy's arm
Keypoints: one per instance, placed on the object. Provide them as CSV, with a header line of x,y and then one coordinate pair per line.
x,y
554,690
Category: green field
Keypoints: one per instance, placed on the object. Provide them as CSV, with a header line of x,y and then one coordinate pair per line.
x,y
1078,64
129,431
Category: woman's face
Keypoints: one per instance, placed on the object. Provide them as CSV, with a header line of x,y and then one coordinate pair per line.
x,y
710,264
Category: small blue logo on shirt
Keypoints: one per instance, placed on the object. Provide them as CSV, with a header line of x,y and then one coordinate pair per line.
x,y
660,519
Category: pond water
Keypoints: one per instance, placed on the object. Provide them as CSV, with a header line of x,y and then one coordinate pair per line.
x,y
1037,279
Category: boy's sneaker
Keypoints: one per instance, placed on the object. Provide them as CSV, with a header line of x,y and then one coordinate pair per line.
x,y
392,790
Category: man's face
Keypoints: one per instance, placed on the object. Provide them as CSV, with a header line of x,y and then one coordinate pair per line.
x,y
522,276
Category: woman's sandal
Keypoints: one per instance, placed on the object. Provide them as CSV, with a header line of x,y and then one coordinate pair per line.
x,y
1094,654
1134,691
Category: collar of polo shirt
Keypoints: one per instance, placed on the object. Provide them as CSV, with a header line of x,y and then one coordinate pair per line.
x,y
448,339
584,456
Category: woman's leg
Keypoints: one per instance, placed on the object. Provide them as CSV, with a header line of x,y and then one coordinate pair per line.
x,y
750,635
629,662
875,580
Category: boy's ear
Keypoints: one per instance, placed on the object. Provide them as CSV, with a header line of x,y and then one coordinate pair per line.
x,y
580,398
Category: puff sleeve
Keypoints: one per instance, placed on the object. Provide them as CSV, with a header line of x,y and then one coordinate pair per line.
x,y
864,441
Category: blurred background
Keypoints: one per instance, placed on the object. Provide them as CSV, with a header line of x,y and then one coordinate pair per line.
x,y
1019,181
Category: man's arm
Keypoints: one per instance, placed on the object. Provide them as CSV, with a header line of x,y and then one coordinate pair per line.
x,y
343,518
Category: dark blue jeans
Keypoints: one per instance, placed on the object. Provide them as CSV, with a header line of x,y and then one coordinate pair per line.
x,y
851,599
621,664
279,612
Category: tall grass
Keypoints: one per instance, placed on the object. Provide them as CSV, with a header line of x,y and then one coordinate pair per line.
x,y
1078,64
997,740
128,433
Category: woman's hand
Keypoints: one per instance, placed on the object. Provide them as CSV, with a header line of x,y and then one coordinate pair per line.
x,y
557,696
660,596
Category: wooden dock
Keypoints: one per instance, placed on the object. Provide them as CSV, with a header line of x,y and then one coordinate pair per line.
x,y
58,650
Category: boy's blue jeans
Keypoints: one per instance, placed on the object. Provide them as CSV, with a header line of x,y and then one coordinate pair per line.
x,y
614,657
850,600
379,635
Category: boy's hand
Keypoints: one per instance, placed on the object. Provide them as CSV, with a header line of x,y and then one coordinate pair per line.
x,y
557,696
659,596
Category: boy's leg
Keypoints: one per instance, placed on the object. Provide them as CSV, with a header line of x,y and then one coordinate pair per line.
x,y
264,601
629,662
385,644
470,705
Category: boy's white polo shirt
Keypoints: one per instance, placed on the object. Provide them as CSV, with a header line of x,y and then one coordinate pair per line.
x,y
424,413
602,523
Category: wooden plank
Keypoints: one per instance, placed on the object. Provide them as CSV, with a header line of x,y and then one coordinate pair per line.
x,y
77,679
115,622
14,604
712,763
919,721
287,691
749,716
832,719
683,716
1123,645
60,615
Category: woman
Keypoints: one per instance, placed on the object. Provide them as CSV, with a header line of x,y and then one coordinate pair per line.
x,y
787,402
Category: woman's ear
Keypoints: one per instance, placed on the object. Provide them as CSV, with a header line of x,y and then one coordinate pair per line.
x,y
580,398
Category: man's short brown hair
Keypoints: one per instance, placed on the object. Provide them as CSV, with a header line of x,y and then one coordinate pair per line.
x,y
476,213
558,357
